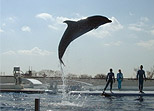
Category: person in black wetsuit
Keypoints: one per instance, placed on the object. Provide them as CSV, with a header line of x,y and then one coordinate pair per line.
x,y
109,78
141,77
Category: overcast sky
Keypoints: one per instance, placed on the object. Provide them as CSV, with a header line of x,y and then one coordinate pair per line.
x,y
30,32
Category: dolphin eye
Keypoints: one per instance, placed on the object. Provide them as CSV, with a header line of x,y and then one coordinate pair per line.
x,y
96,27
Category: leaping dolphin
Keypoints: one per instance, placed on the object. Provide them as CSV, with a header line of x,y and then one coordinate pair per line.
x,y
78,28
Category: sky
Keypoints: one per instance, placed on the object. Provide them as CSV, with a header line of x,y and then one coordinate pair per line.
x,y
30,32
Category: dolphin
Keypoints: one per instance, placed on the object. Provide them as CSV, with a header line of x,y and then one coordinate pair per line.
x,y
77,28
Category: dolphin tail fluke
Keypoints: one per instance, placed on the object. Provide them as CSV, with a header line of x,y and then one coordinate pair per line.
x,y
61,62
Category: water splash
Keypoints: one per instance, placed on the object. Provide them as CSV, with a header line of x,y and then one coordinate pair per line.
x,y
64,94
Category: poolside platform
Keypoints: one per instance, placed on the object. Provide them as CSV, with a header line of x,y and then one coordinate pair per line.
x,y
23,90
114,93
96,93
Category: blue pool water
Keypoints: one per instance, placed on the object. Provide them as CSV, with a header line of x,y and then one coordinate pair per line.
x,y
54,102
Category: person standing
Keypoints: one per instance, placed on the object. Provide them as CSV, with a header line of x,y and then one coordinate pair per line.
x,y
119,79
109,79
141,77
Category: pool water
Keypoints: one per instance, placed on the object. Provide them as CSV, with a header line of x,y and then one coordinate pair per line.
x,y
55,102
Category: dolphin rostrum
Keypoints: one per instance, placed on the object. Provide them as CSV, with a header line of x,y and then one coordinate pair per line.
x,y
78,28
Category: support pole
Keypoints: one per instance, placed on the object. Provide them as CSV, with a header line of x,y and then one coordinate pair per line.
x,y
37,104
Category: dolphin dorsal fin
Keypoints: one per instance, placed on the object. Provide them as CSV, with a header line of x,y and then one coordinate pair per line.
x,y
69,22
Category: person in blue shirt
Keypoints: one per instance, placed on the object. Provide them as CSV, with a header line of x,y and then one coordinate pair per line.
x,y
109,78
141,77
119,79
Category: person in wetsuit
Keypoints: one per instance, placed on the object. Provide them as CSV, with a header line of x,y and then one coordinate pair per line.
x,y
109,78
119,79
141,77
